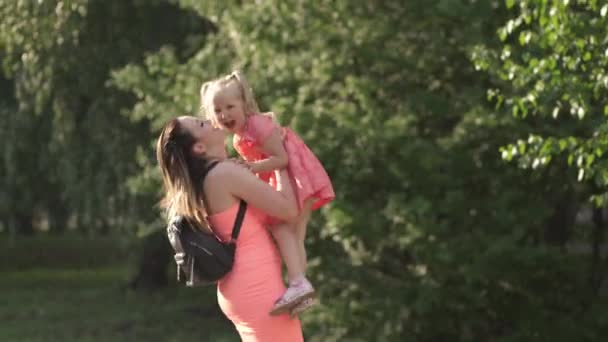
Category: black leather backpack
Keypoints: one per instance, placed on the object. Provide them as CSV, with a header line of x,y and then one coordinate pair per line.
x,y
202,257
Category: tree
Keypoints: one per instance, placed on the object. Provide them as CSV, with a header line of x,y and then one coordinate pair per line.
x,y
59,56
429,238
68,149
550,73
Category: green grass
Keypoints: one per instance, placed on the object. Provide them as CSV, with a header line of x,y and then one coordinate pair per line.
x,y
92,305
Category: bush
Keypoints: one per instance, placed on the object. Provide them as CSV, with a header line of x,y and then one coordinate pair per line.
x,y
62,252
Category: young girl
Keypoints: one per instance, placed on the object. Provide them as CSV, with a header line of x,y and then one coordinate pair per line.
x,y
265,146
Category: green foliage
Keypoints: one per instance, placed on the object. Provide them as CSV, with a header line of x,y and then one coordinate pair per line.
x,y
61,252
431,236
551,69
66,135
550,74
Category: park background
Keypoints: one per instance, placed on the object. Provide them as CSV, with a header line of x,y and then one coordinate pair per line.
x,y
465,139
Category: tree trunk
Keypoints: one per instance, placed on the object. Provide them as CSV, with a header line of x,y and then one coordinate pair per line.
x,y
558,226
58,217
597,235
24,224
154,259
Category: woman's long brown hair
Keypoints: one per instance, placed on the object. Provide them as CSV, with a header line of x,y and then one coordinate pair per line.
x,y
182,175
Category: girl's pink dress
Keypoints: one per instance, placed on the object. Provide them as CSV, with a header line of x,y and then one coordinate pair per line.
x,y
308,177
248,292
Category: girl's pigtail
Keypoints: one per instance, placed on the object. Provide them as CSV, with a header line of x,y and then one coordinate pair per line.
x,y
250,103
204,110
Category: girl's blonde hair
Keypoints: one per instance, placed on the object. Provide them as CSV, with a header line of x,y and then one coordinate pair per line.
x,y
235,78
182,175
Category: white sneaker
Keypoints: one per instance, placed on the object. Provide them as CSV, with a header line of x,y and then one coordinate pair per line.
x,y
302,306
292,297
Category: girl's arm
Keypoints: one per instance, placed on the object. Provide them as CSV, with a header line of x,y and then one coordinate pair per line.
x,y
273,146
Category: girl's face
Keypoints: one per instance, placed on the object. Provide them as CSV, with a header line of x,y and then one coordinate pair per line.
x,y
229,109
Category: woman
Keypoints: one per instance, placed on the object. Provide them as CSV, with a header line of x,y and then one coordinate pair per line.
x,y
246,295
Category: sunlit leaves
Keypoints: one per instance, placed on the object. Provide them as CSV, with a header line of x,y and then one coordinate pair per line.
x,y
558,68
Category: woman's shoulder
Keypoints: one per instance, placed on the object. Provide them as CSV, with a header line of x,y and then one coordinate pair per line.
x,y
222,169
222,178
225,171
219,186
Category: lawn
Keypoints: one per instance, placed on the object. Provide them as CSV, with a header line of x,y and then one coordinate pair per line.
x,y
94,305
58,288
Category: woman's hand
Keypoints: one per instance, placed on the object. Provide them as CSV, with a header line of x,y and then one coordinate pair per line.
x,y
277,155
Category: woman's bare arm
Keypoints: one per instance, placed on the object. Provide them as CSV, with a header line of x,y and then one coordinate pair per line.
x,y
243,184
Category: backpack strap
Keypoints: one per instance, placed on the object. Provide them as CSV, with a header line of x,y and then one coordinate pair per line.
x,y
238,221
173,232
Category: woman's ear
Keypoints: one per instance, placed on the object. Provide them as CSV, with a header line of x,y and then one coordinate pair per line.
x,y
199,148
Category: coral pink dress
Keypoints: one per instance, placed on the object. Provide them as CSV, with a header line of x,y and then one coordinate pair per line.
x,y
248,292
308,176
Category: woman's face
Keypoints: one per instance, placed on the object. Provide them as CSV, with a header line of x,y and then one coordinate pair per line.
x,y
203,131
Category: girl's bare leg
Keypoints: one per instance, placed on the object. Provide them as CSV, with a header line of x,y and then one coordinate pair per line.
x,y
287,240
300,290
301,225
